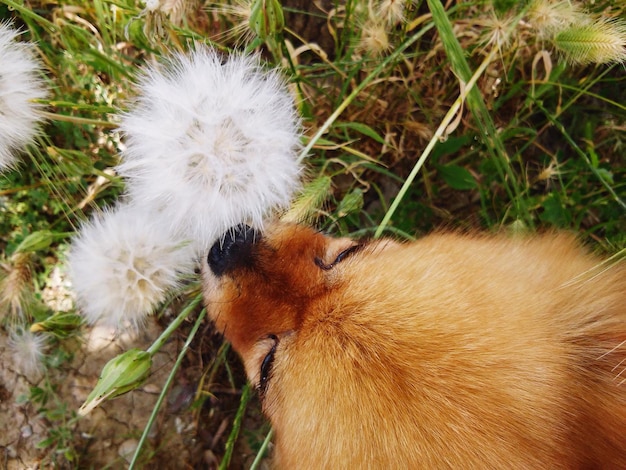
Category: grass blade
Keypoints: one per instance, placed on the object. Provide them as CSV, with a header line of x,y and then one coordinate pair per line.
x,y
476,104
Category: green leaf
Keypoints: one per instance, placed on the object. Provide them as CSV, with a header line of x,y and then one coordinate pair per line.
x,y
555,212
457,177
362,129
44,444
36,241
505,6
605,175
451,145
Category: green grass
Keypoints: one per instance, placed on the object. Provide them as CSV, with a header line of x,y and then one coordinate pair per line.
x,y
470,118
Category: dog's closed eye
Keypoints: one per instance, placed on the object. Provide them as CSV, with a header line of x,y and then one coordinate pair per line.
x,y
266,366
340,257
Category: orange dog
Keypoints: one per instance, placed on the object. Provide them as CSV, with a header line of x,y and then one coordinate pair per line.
x,y
450,352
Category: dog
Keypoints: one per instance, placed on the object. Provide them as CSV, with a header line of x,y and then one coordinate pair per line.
x,y
453,351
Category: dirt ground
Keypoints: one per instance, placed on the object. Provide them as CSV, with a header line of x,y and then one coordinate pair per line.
x,y
182,437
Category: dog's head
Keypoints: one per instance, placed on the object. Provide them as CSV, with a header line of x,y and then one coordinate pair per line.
x,y
261,289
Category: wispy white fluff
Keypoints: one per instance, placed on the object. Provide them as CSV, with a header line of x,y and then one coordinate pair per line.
x,y
28,352
211,143
123,264
20,85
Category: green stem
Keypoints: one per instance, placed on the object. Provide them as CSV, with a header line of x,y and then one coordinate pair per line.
x,y
450,115
29,13
77,119
261,453
234,433
169,380
161,340
581,153
366,81
492,139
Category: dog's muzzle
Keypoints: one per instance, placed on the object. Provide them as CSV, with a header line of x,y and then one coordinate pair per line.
x,y
233,250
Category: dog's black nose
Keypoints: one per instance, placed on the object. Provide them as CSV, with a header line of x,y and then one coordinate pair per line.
x,y
232,250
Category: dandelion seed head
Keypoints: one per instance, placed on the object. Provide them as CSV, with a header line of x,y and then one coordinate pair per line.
x,y
496,32
211,143
20,86
239,12
28,352
550,16
123,264
374,38
392,11
175,10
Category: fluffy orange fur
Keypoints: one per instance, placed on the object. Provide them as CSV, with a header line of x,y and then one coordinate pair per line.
x,y
454,351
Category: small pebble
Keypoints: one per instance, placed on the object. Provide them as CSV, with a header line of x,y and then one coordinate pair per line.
x,y
26,431
127,449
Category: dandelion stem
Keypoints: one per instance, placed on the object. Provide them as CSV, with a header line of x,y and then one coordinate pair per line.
x,y
170,378
360,87
160,341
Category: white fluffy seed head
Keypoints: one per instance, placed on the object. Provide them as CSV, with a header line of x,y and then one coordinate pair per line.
x,y
20,85
123,264
28,352
211,143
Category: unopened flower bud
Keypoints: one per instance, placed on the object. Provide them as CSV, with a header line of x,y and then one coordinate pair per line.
x,y
61,324
266,18
120,375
